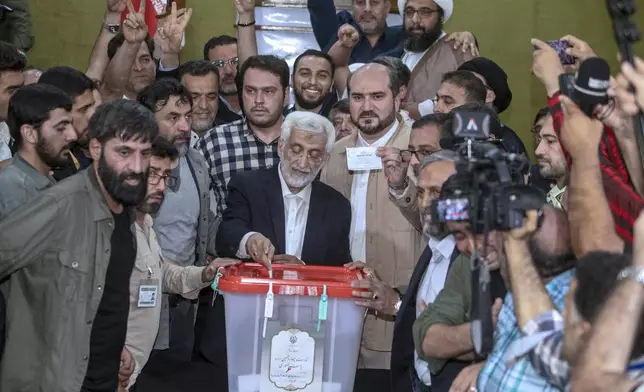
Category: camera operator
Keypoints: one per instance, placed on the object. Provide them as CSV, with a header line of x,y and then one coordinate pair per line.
x,y
591,173
407,371
548,249
553,342
442,333
617,333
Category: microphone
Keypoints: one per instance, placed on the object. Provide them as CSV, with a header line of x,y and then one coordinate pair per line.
x,y
588,88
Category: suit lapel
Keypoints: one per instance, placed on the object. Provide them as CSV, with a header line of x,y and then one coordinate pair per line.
x,y
273,191
414,282
314,224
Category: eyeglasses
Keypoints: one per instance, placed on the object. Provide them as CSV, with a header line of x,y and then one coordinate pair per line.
x,y
222,63
423,13
407,154
154,179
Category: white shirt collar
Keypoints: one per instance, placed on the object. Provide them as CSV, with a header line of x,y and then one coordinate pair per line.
x,y
445,246
304,194
383,140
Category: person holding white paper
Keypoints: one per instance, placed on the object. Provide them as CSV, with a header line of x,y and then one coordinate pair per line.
x,y
380,234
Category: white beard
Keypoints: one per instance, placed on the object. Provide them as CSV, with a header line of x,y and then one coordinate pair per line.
x,y
298,179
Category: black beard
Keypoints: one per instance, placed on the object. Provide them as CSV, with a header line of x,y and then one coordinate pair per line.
x,y
116,187
375,128
549,265
420,43
45,153
309,105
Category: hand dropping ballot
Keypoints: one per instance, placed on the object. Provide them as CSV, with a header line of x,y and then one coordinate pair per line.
x,y
363,158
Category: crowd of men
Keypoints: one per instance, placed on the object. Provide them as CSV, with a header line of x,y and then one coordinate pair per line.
x,y
125,187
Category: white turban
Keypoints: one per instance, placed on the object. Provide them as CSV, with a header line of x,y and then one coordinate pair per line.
x,y
446,5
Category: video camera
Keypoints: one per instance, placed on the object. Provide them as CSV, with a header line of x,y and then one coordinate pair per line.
x,y
491,197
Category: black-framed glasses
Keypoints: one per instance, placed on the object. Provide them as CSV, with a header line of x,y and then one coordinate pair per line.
x,y
222,63
154,179
407,154
423,13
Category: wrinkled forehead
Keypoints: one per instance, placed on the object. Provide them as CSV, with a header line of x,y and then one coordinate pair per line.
x,y
160,165
307,139
223,52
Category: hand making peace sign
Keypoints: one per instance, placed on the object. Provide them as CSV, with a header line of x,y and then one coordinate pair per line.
x,y
172,27
134,27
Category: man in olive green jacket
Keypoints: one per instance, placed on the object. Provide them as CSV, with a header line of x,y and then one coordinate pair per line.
x,y
57,252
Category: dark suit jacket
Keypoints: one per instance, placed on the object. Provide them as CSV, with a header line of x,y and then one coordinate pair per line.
x,y
402,350
255,203
225,115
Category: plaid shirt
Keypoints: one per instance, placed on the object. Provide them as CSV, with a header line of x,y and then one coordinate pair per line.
x,y
521,376
544,337
231,148
624,202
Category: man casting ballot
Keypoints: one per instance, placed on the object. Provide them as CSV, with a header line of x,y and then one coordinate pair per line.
x,y
284,214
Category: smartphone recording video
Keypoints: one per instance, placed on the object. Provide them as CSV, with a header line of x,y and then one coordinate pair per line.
x,y
560,47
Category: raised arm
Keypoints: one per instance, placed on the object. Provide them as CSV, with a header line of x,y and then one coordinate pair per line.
x,y
602,365
170,35
246,38
118,71
99,60
340,52
530,296
324,21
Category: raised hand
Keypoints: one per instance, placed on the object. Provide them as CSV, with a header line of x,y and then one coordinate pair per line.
x,y
635,76
134,27
245,6
394,166
116,6
464,40
348,36
172,29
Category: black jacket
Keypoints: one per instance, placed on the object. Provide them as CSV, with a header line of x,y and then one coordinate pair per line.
x,y
255,203
402,350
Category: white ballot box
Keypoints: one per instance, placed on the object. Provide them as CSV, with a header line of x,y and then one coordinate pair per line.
x,y
297,331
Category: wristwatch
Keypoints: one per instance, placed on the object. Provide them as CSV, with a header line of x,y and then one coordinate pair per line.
x,y
635,273
112,28
399,302
401,188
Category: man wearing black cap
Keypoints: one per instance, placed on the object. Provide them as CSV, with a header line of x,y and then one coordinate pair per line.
x,y
499,96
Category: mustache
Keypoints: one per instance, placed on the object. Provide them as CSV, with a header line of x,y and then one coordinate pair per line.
x,y
543,158
368,114
312,87
131,176
159,195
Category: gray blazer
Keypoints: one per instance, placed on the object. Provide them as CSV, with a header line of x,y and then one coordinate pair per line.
x,y
208,223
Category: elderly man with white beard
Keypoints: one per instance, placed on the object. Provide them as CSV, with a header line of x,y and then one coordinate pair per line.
x,y
284,214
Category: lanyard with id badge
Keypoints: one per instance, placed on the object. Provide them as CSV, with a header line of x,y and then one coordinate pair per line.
x,y
148,291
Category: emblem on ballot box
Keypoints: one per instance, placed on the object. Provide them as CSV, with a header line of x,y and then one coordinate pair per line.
x,y
294,363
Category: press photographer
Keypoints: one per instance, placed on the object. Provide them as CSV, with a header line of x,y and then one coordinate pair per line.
x,y
603,156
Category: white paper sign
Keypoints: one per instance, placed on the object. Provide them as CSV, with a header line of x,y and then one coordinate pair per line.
x,y
363,158
292,362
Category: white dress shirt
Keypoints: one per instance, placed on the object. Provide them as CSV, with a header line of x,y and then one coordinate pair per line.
x,y
432,284
296,214
359,200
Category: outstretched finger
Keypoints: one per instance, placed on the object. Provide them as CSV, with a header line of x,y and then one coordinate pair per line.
x,y
142,7
173,13
130,7
185,19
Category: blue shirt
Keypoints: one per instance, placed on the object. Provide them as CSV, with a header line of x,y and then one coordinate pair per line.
x,y
326,22
497,375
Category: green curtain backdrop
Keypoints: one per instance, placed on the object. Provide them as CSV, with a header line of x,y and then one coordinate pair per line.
x,y
66,29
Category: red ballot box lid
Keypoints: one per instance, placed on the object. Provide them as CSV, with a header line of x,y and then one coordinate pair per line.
x,y
303,280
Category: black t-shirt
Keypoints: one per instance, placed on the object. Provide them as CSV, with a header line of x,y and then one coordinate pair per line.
x,y
110,324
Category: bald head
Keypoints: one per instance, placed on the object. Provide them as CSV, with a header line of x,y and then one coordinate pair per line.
x,y
374,71
550,245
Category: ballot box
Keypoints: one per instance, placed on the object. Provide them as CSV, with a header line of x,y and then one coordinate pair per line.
x,y
298,330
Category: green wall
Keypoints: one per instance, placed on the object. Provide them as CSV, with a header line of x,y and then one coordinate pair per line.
x,y
66,29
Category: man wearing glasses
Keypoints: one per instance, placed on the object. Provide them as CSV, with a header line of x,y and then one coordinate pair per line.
x,y
151,275
222,52
423,142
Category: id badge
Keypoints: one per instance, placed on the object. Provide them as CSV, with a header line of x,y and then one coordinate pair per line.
x,y
148,293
